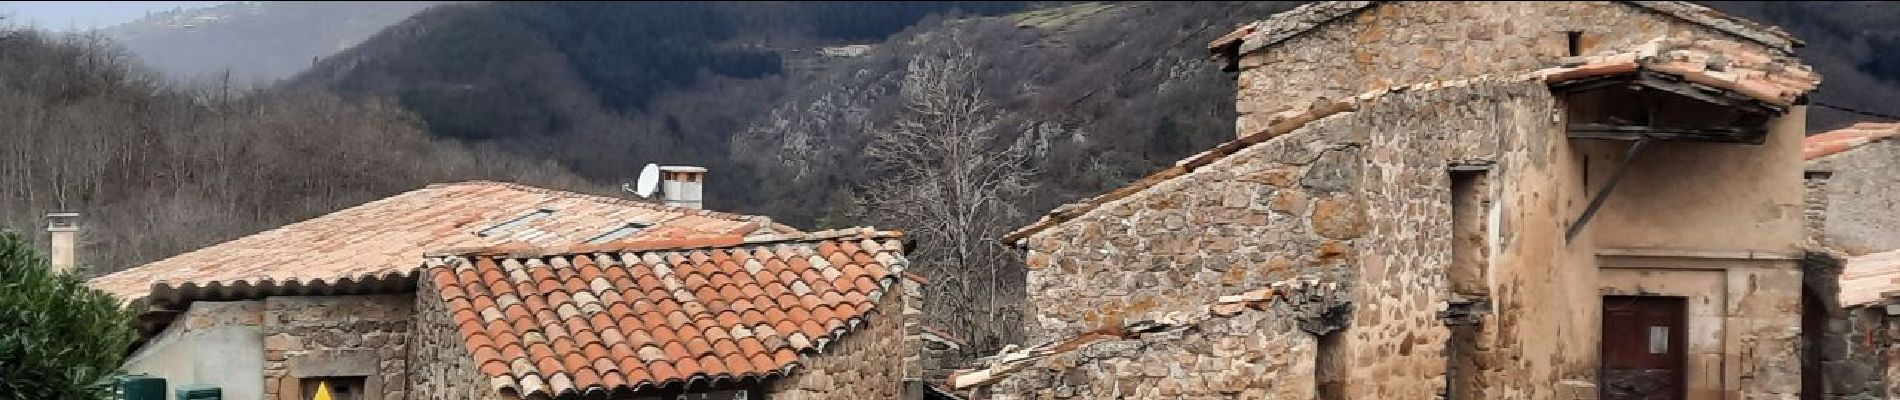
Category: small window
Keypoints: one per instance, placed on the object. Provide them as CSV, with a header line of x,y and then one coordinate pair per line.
x,y
334,388
1575,40
515,223
619,233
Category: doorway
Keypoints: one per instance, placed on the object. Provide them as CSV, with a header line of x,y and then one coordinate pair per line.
x,y
1644,348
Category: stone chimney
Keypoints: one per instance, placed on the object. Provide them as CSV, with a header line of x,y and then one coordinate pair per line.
x,y
64,228
681,185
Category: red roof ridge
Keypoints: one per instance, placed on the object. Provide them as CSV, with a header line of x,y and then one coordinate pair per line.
x,y
666,244
863,232
765,221
1847,138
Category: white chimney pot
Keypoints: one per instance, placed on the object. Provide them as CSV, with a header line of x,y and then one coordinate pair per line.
x,y
64,229
681,186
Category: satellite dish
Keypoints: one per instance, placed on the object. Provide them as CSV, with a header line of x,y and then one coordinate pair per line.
x,y
649,180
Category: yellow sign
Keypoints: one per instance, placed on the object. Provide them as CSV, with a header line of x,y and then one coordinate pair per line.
x,y
323,391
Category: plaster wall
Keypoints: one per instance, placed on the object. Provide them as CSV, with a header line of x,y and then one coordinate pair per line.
x,y
1708,197
1744,331
231,331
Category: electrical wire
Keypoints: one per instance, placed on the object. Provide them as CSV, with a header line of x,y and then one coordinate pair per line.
x,y
1859,111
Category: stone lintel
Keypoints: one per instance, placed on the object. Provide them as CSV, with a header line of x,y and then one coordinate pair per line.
x,y
1699,254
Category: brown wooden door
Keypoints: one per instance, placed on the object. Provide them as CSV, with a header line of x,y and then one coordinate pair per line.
x,y
1645,348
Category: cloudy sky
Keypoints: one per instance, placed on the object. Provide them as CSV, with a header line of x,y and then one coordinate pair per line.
x,y
82,15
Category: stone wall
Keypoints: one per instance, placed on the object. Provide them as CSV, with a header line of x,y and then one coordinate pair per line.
x,y
1520,346
1814,212
1849,352
326,336
870,362
1278,210
441,367
1297,205
1261,344
1861,197
1254,355
1399,43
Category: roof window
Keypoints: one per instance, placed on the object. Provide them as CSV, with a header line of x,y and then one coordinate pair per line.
x,y
619,233
504,227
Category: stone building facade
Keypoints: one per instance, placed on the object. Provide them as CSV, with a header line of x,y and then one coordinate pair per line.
x,y
354,338
1856,169
1854,341
1457,214
487,290
1339,49
285,341
837,319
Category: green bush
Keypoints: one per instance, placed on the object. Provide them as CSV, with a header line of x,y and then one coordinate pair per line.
x,y
58,338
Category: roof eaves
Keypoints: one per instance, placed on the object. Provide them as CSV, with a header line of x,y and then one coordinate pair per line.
x,y
1715,64
635,246
1817,147
1288,24
616,201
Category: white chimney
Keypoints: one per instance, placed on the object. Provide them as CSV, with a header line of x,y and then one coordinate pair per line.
x,y
64,227
680,186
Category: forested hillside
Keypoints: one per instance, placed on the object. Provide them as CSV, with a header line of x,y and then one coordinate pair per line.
x,y
256,42
1094,95
792,104
1126,86
159,170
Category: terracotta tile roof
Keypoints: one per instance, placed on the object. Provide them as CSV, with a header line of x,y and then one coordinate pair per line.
x,y
387,236
1840,140
1318,296
1290,23
1865,278
1718,64
556,323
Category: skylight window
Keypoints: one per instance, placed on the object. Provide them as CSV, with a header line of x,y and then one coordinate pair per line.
x,y
515,223
619,233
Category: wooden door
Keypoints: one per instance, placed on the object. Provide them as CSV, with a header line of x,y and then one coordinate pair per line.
x,y
1645,348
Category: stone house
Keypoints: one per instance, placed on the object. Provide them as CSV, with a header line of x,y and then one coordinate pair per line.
x,y
1854,270
1543,200
1852,172
485,290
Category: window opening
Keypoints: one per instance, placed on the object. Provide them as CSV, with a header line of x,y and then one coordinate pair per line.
x,y
619,233
515,223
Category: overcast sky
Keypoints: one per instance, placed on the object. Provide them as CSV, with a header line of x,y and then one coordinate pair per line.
x,y
83,15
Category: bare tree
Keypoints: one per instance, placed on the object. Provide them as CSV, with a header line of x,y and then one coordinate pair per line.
x,y
950,178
